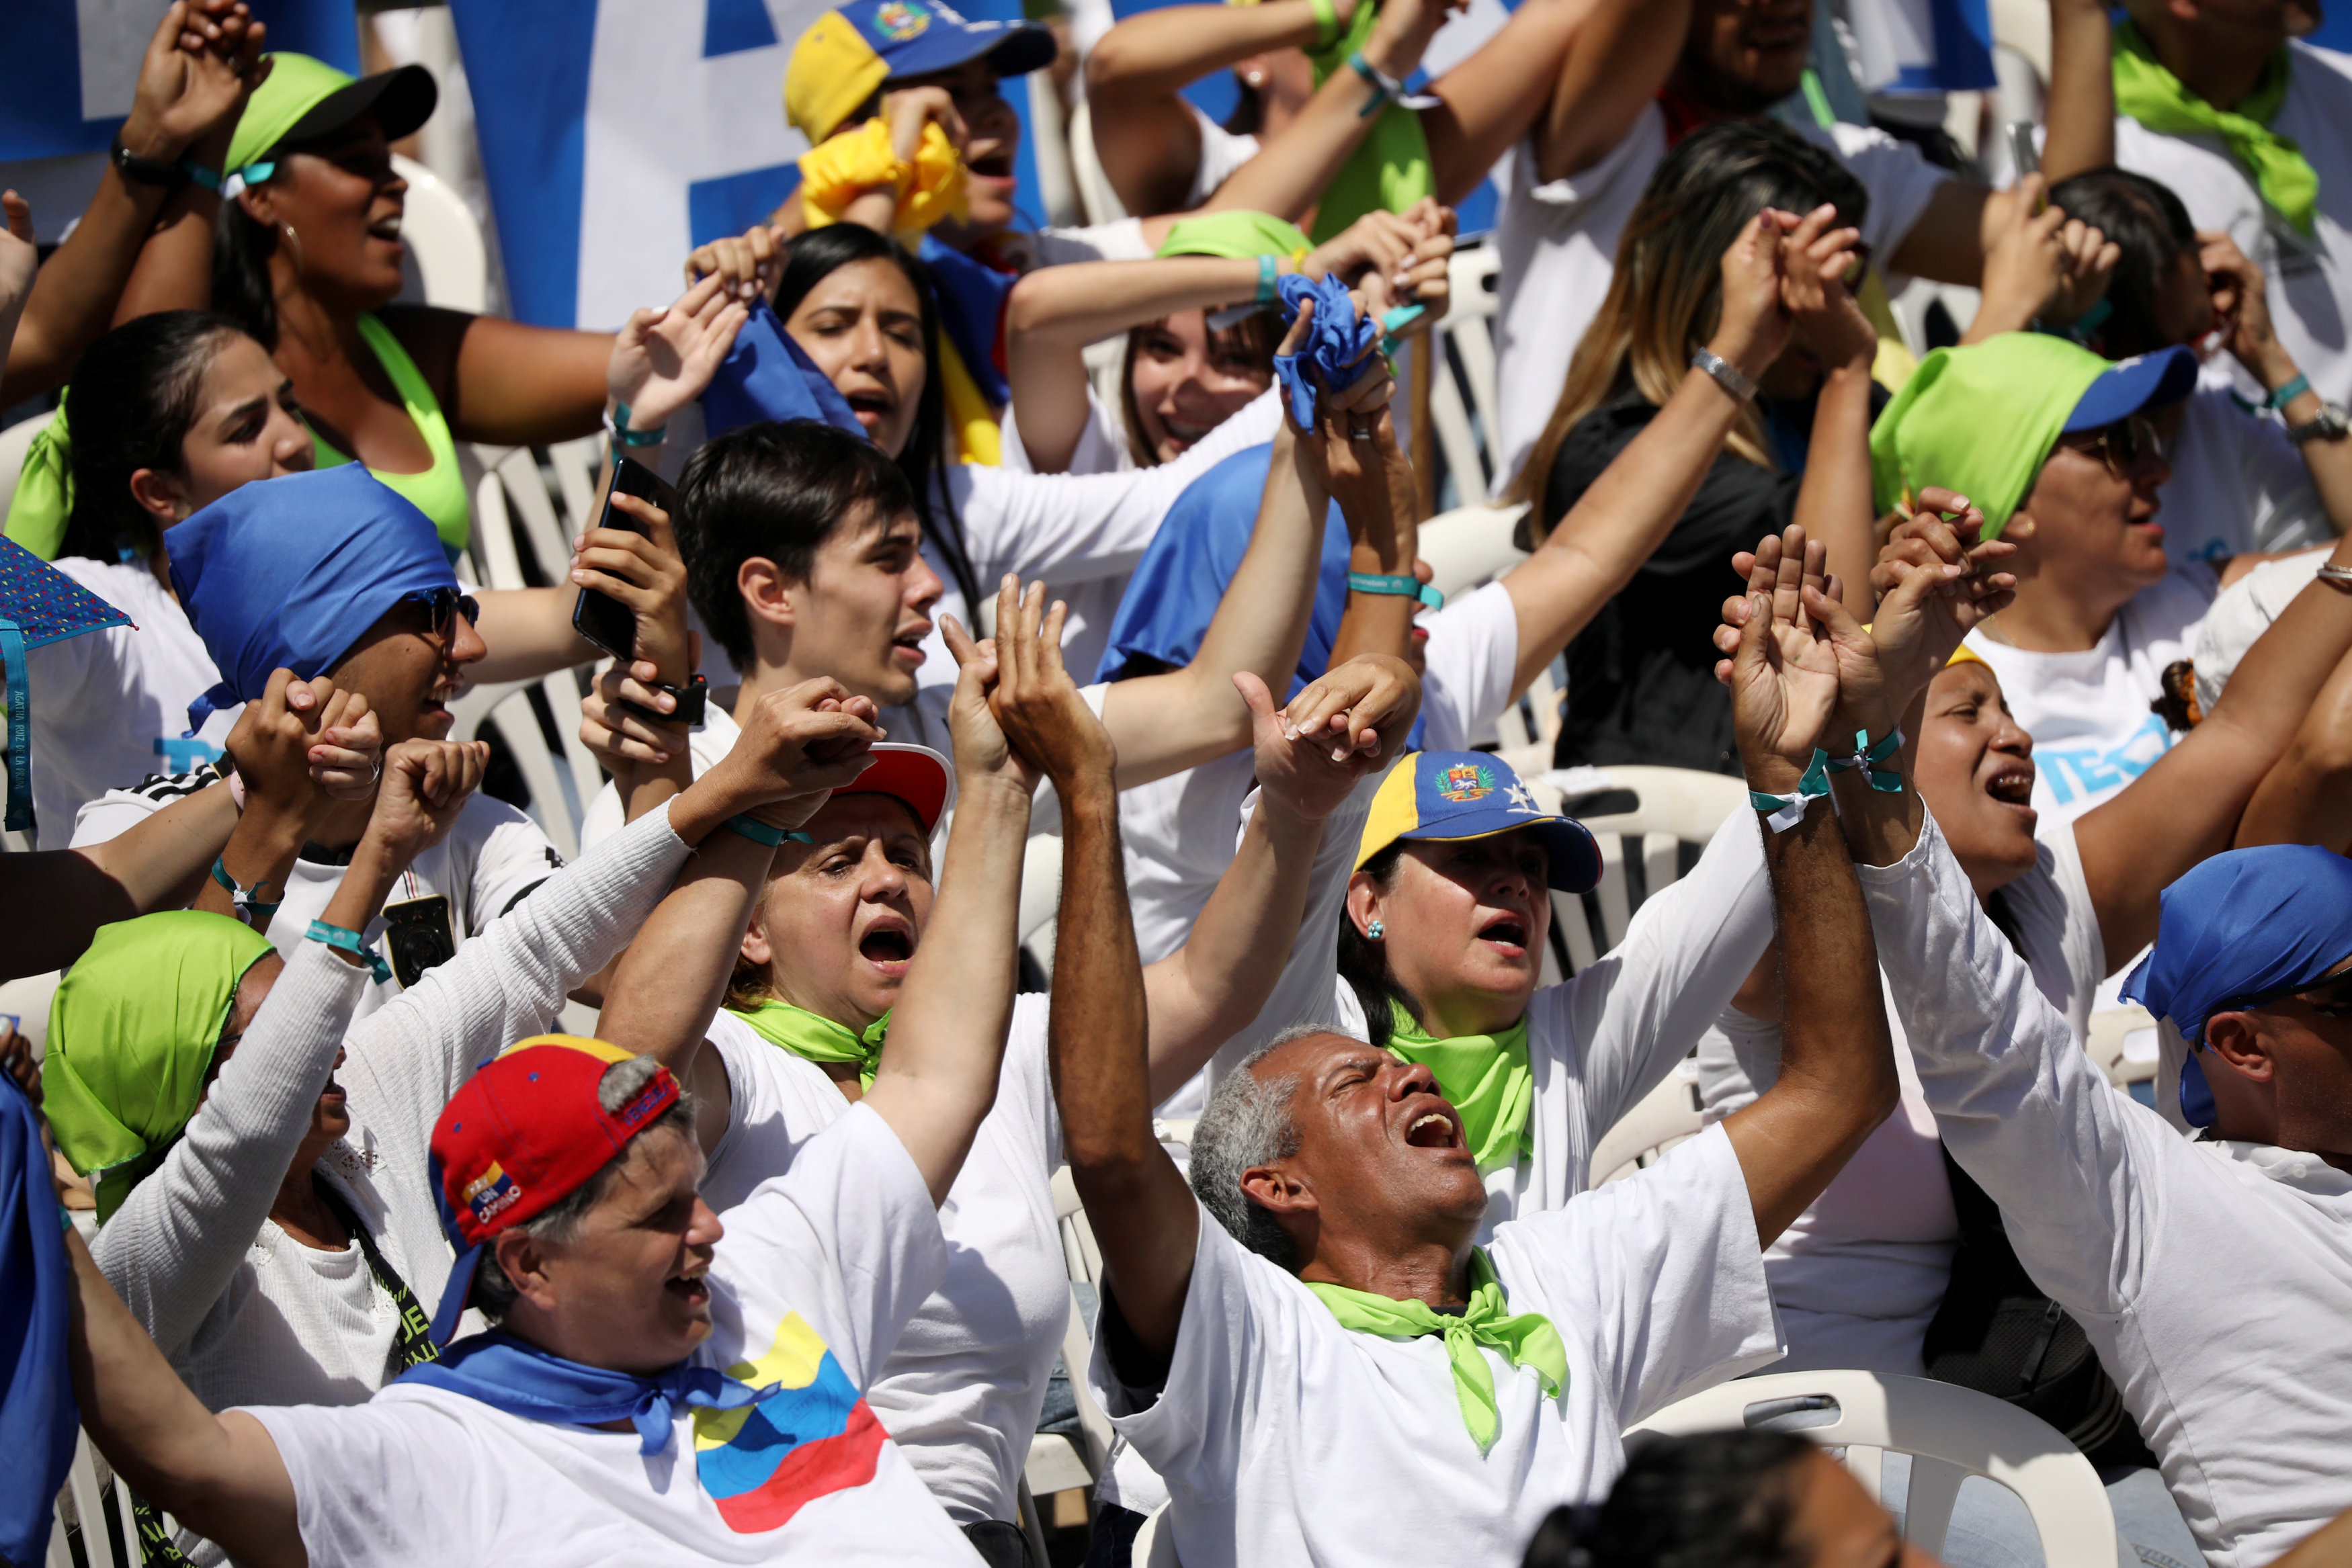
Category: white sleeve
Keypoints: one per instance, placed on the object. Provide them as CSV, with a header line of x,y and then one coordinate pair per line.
x,y
386,1484
1472,656
848,1239
1900,182
509,859
1663,1269
2018,1102
118,812
1121,239
1559,205
1074,527
176,1243
508,982
2085,945
1644,1005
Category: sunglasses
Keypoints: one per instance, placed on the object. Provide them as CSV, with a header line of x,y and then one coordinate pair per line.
x,y
445,605
2120,445
2330,997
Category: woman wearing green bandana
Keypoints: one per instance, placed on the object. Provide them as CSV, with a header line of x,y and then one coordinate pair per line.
x,y
850,937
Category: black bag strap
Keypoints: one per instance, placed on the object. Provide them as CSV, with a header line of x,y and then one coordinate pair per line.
x,y
411,1342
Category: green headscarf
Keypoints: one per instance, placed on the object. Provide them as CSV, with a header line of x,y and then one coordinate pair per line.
x,y
1486,1076
1980,420
1236,235
2152,95
38,512
1390,170
817,1037
1525,1339
131,1036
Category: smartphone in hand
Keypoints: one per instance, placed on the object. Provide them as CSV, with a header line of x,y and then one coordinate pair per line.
x,y
599,617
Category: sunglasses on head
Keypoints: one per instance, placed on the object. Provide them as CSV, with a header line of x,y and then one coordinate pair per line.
x,y
2120,445
445,605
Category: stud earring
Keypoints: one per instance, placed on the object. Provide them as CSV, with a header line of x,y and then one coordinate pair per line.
x,y
1376,930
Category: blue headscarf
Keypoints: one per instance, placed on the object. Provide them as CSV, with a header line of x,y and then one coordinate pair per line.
x,y
37,1415
291,572
767,376
2249,923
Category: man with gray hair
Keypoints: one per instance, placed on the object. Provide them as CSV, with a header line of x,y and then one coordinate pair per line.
x,y
1330,1371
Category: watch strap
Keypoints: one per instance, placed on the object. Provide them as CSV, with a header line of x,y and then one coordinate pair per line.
x,y
145,171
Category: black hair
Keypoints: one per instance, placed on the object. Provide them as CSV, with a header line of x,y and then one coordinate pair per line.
x,y
817,254
778,490
242,246
1248,117
1364,963
2152,228
1711,1500
133,397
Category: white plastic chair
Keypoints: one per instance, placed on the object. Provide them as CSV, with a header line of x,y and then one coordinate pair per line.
x,y
2113,1034
85,1493
1658,1121
1040,898
15,443
1473,274
1054,1462
1155,1544
1470,545
444,240
1678,806
1950,1433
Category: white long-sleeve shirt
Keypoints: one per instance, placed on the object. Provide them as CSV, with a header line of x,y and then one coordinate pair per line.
x,y
2213,1278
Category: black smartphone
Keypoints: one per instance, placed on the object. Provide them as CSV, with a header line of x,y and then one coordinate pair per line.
x,y
599,617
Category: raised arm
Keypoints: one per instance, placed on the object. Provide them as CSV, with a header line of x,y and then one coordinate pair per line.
x,y
1833,500
2242,301
946,1048
1837,1077
2306,797
1620,58
505,383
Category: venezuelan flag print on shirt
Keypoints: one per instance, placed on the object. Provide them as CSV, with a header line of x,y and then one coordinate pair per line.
x,y
812,1436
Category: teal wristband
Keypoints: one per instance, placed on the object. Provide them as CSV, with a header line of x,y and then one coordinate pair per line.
x,y
759,832
246,903
2288,393
1402,585
622,435
1268,268
352,943
1785,811
209,179
1866,757
1386,89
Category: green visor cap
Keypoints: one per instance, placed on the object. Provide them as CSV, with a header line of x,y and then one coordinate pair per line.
x,y
303,97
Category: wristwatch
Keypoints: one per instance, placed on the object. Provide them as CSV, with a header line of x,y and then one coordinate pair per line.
x,y
692,698
2330,423
145,171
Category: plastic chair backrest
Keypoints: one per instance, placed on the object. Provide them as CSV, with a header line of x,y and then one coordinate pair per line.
x,y
2112,1036
15,443
1658,1121
1040,898
1473,545
558,810
1082,1261
1950,1432
1466,427
94,1497
446,243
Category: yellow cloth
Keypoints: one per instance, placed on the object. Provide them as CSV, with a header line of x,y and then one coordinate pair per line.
x,y
833,70
835,174
978,438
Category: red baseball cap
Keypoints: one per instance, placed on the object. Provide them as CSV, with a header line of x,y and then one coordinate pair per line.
x,y
521,1135
916,775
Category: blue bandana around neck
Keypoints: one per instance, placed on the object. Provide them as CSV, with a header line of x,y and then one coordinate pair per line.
x,y
291,572
1335,343
2245,924
972,297
38,1419
766,376
517,1377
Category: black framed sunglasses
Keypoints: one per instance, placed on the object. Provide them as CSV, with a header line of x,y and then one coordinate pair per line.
x,y
2120,445
445,605
2330,996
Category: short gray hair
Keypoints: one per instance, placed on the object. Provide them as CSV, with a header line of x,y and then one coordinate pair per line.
x,y
622,1081
1247,1124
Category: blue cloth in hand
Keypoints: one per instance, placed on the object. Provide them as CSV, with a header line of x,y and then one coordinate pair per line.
x,y
765,376
37,1415
292,573
1335,343
520,1378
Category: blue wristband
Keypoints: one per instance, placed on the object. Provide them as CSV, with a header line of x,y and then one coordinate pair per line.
x,y
1268,269
2288,393
352,943
759,832
1402,585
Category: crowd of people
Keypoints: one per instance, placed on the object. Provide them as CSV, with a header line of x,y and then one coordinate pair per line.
x,y
933,552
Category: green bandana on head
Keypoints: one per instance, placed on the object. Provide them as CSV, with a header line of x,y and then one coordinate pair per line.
x,y
819,1039
1526,1339
1484,1076
1980,421
1390,170
43,503
2152,95
1238,235
132,1037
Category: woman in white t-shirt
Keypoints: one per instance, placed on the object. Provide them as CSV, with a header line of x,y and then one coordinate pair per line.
x,y
772,1002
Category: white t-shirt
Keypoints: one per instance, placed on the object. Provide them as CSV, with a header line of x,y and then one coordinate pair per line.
x,y
2310,277
2211,1277
492,857
1222,152
813,1283
1858,1277
2089,712
2238,483
1071,530
1286,1438
1102,448
109,707
1558,245
960,1392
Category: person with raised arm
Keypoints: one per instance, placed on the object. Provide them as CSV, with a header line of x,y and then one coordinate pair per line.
x,y
1311,1319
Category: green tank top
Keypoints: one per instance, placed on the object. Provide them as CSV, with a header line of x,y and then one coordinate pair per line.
x,y
439,492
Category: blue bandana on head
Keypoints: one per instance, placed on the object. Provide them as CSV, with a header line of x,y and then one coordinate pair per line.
x,y
2249,923
767,376
517,1377
291,572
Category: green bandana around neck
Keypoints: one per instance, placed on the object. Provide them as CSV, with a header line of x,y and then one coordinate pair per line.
x,y
133,1032
2152,95
1390,170
817,1037
1484,1076
1525,1339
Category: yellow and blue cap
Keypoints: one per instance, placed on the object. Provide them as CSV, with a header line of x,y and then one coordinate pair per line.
x,y
853,50
1456,795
